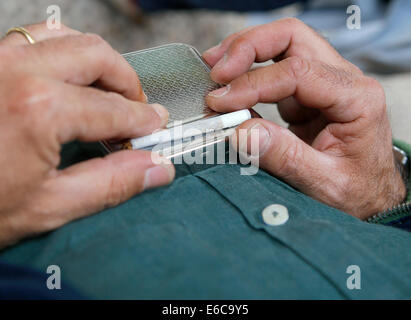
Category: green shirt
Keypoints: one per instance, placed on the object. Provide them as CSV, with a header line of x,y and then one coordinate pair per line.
x,y
204,237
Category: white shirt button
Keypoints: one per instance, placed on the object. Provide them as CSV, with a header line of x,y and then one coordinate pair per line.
x,y
275,215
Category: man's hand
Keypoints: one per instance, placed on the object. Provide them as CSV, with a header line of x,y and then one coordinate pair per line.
x,y
45,101
338,147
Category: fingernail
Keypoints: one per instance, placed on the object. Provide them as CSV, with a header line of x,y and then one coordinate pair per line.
x,y
220,92
162,112
263,139
212,50
159,175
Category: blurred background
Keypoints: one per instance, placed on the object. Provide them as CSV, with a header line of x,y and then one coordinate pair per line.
x,y
381,47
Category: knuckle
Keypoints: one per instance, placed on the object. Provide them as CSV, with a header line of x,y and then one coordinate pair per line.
x,y
294,23
296,67
250,82
242,45
106,56
124,116
228,40
117,191
376,88
32,93
252,79
122,113
376,94
290,157
94,39
353,68
31,103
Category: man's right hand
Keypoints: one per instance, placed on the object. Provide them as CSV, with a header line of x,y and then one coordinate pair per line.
x,y
338,147
46,101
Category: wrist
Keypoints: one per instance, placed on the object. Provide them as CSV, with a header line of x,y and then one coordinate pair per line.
x,y
401,209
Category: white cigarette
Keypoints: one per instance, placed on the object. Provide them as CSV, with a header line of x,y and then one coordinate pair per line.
x,y
192,129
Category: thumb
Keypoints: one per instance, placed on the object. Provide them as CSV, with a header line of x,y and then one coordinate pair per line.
x,y
96,184
283,154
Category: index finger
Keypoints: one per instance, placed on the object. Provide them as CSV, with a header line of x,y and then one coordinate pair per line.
x,y
286,38
338,94
89,114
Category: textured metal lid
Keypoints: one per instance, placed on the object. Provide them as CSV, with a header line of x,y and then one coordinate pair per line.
x,y
175,76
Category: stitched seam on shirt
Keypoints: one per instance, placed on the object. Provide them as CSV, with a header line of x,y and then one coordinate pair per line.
x,y
259,184
275,239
